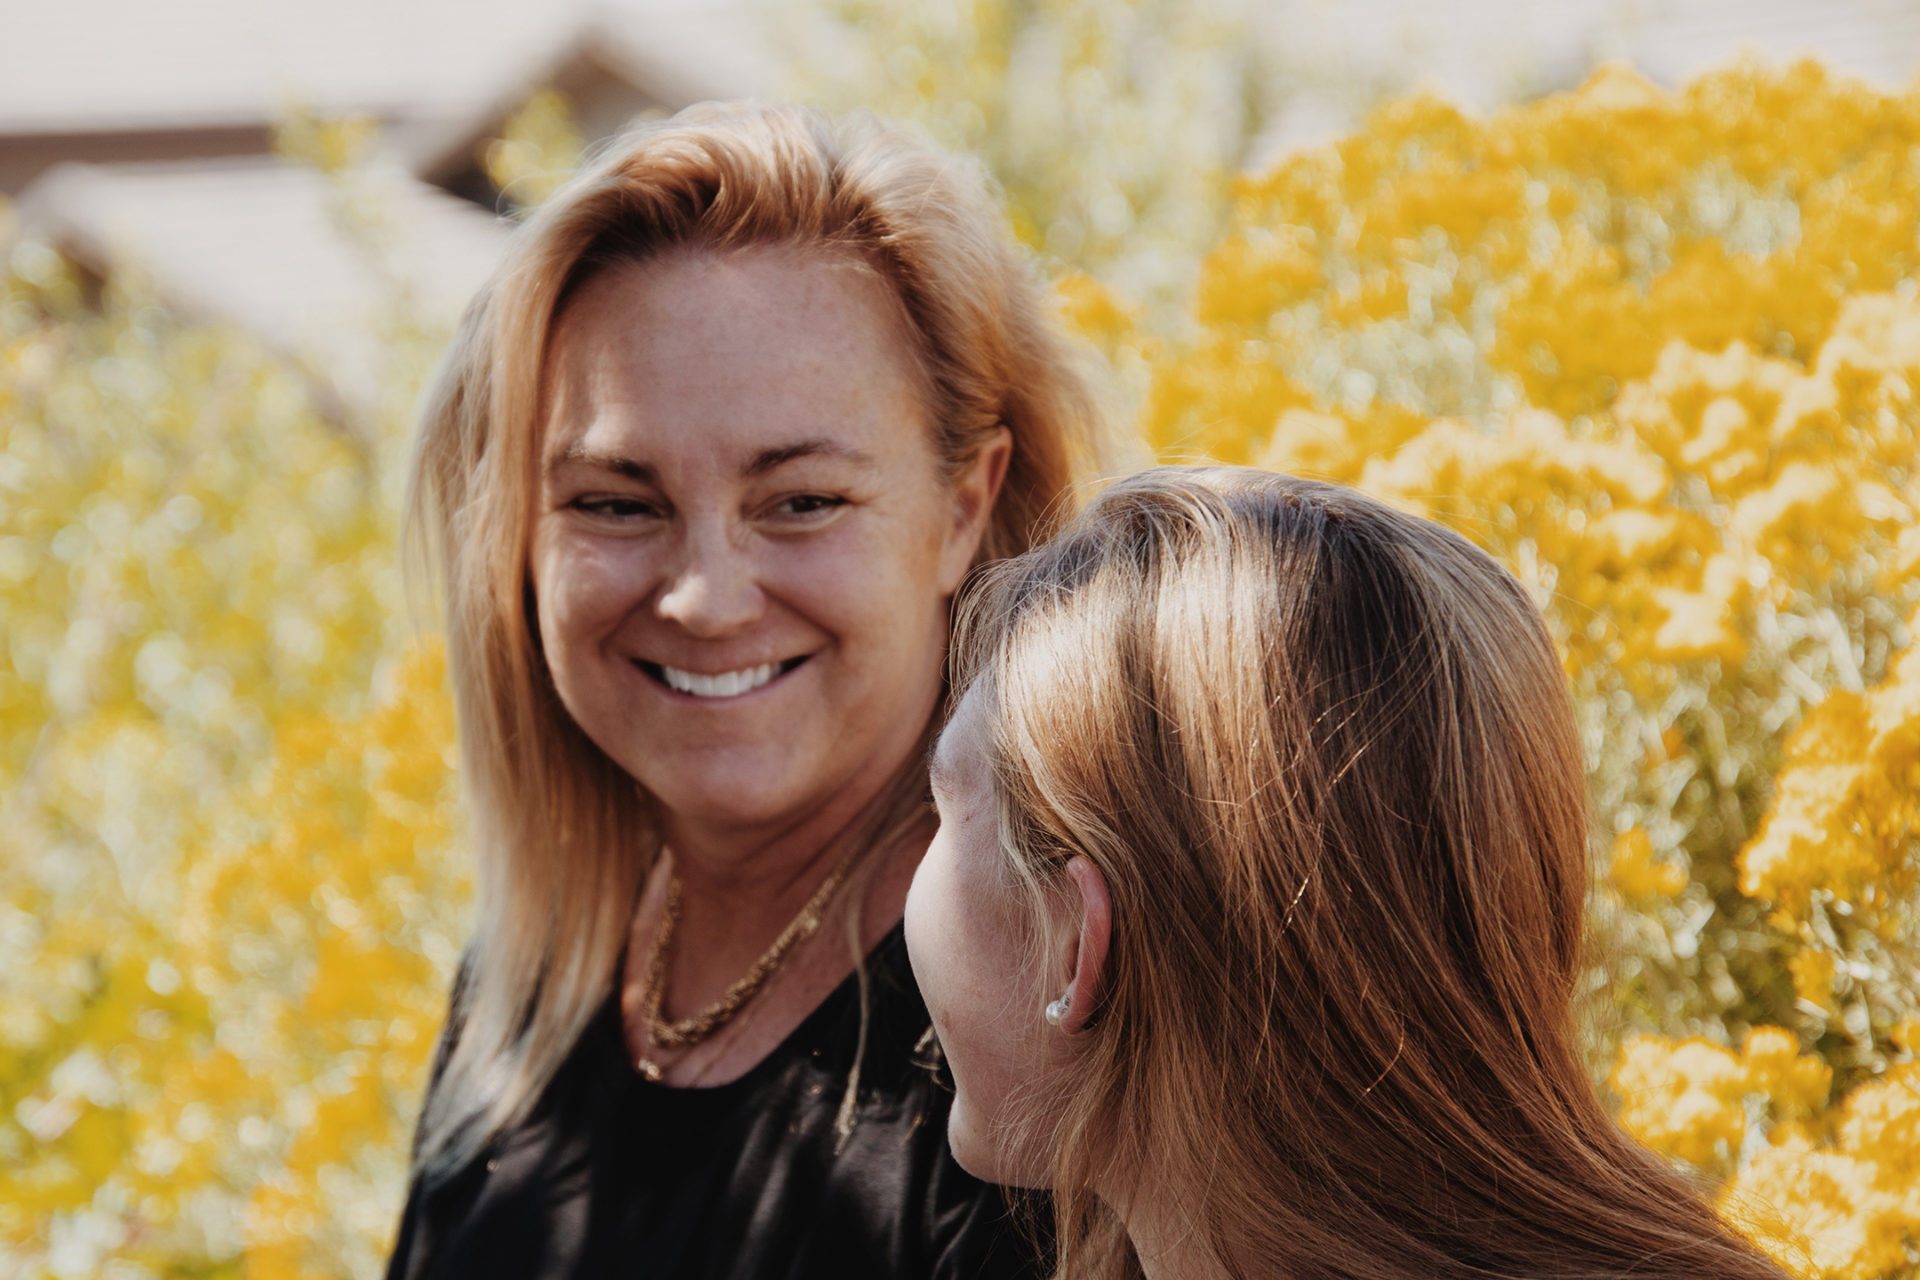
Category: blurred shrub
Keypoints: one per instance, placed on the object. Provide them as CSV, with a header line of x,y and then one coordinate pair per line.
x,y
1114,128
227,904
1658,351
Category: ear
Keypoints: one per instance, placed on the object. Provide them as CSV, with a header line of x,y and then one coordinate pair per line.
x,y
1089,959
975,490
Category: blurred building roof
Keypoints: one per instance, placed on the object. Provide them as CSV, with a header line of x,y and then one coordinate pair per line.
x,y
142,136
108,80
111,80
274,249
612,66
82,65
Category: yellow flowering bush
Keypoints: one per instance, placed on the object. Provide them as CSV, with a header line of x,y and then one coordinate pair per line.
x,y
227,903
1114,128
1657,350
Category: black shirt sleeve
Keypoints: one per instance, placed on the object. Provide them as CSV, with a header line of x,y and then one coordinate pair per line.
x,y
407,1237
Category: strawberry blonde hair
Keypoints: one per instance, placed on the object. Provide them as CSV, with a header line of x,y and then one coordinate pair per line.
x,y
1324,755
563,836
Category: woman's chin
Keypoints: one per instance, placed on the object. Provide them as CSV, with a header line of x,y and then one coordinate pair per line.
x,y
725,785
989,1161
743,808
977,1157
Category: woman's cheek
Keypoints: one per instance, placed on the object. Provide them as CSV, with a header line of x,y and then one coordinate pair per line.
x,y
930,941
946,947
868,556
583,582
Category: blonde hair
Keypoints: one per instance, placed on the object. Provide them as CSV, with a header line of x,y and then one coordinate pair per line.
x,y
564,837
1324,755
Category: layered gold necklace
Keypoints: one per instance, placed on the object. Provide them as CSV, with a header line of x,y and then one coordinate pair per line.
x,y
689,1031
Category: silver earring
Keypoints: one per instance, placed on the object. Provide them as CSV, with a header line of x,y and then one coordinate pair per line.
x,y
1057,1011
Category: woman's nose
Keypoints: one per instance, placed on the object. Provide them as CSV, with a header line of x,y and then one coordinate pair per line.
x,y
714,590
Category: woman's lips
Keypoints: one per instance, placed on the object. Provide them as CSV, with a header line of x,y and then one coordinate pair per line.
x,y
719,685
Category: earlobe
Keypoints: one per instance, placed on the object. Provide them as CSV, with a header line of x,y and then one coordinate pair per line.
x,y
1076,1003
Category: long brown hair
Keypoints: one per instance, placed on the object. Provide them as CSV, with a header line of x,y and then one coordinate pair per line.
x,y
564,837
1324,755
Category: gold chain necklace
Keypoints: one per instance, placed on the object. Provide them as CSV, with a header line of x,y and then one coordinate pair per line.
x,y
688,1031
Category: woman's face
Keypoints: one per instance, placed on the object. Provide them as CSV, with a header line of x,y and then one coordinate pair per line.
x,y
975,959
745,544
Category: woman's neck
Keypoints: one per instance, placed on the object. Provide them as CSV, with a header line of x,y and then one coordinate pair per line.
x,y
733,907
743,882
740,889
1167,1236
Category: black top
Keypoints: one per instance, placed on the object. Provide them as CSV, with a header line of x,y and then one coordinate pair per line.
x,y
612,1176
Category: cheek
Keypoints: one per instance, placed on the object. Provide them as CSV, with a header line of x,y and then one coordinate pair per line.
x,y
581,587
878,556
929,930
868,587
968,959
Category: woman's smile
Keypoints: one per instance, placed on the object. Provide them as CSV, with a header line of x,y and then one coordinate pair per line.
x,y
726,686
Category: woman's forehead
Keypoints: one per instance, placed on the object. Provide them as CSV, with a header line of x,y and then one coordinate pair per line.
x,y
746,356
745,305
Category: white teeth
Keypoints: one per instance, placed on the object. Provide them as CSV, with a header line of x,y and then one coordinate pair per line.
x,y
727,684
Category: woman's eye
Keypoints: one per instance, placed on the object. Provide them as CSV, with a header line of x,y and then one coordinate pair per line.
x,y
801,505
614,508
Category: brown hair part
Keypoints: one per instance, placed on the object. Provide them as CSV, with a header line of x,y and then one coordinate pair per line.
x,y
1324,755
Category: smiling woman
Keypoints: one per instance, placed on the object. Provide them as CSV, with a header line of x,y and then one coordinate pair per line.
x,y
746,542
715,450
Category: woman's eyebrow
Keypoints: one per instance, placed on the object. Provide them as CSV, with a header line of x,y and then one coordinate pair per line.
x,y
579,453
779,455
762,462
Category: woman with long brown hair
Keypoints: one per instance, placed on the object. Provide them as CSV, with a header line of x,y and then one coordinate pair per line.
x,y
1254,918
744,404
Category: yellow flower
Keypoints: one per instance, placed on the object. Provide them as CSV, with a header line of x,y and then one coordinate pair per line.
x,y
1812,1210
1813,973
1638,874
1092,309
1682,1098
1702,621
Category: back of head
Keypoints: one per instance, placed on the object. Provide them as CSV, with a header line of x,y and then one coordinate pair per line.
x,y
563,836
1324,755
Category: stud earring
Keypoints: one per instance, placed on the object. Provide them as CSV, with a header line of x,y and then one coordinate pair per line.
x,y
1057,1011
